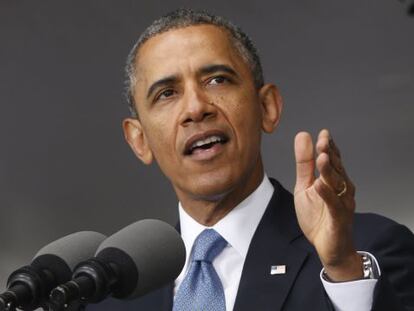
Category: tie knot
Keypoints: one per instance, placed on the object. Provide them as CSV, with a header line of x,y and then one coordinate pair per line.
x,y
208,245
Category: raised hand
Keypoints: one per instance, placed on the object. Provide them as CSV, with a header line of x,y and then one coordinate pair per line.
x,y
325,205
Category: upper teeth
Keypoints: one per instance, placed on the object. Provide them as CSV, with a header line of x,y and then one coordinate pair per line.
x,y
208,140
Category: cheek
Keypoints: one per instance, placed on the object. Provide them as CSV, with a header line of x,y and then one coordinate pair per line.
x,y
242,111
246,122
160,137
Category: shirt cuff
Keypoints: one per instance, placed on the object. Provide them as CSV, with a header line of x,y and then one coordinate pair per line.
x,y
353,295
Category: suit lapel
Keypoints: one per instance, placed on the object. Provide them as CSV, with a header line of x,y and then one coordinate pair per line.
x,y
167,297
271,245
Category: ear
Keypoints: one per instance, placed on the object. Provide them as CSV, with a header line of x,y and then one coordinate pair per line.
x,y
271,102
137,140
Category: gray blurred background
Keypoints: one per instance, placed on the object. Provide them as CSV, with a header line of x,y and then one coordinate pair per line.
x,y
64,165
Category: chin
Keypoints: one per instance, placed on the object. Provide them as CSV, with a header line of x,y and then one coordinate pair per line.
x,y
210,187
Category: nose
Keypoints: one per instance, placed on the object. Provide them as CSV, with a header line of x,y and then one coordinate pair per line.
x,y
197,107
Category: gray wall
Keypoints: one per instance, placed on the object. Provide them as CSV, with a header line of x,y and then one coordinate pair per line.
x,y
64,166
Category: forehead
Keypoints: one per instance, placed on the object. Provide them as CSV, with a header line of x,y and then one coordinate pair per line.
x,y
184,50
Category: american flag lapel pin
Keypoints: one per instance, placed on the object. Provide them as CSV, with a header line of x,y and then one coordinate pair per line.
x,y
278,269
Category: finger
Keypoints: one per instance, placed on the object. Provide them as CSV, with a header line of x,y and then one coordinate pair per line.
x,y
336,162
331,199
334,148
335,204
305,162
330,176
328,173
326,144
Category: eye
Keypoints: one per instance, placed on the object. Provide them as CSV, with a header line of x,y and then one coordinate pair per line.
x,y
218,80
165,94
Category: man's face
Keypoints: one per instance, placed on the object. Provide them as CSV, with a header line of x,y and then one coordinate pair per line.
x,y
200,115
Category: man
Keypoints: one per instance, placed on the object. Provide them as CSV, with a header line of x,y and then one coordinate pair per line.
x,y
199,106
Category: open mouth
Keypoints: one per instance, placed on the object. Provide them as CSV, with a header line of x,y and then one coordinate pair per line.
x,y
204,142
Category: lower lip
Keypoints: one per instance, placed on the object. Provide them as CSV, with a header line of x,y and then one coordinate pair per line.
x,y
207,154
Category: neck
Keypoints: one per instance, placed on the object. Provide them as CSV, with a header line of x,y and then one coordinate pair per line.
x,y
209,211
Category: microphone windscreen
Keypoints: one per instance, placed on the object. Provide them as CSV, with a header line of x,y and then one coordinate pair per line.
x,y
150,249
61,256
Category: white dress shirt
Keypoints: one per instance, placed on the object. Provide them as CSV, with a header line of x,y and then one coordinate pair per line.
x,y
237,228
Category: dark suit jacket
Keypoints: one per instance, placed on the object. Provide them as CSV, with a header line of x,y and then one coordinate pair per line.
x,y
278,240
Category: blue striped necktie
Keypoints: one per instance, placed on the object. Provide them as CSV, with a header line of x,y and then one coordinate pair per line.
x,y
201,289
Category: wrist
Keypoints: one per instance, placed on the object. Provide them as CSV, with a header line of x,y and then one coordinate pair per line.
x,y
349,269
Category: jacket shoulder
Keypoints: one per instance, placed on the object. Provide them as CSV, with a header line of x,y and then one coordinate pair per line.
x,y
370,226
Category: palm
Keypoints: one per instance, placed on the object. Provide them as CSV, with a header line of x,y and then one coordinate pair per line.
x,y
311,212
317,223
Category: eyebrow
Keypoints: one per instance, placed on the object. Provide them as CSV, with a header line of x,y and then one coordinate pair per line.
x,y
217,67
164,81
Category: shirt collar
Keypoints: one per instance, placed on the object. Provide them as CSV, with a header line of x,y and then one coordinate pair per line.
x,y
238,226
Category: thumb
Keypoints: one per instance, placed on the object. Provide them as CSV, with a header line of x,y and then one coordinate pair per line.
x,y
305,162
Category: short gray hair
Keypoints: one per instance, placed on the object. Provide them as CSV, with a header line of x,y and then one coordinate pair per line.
x,y
182,18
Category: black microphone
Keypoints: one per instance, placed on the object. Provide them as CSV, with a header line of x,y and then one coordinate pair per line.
x,y
140,258
28,288
409,4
